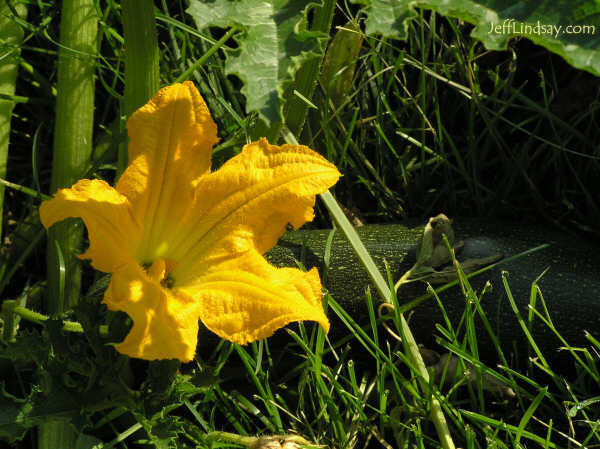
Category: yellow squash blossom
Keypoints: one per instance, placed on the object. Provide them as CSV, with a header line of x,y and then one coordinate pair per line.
x,y
185,244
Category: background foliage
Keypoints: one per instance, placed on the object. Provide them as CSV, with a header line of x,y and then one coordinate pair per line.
x,y
447,118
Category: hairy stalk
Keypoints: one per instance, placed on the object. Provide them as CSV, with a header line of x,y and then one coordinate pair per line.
x,y
11,35
11,309
72,150
72,139
141,61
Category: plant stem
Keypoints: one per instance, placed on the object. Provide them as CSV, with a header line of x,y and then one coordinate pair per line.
x,y
57,434
141,61
72,141
141,54
10,307
72,149
11,35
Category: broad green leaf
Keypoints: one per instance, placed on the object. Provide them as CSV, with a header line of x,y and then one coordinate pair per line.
x,y
388,17
29,346
273,44
569,28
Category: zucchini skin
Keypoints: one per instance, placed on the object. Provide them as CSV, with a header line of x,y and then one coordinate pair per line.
x,y
570,288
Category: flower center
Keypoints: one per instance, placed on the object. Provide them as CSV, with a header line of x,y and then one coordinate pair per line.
x,y
159,271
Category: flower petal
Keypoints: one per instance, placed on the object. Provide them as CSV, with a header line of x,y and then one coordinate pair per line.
x,y
112,230
165,322
247,299
247,204
171,140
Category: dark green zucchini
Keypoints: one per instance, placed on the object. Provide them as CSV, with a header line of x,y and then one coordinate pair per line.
x,y
571,287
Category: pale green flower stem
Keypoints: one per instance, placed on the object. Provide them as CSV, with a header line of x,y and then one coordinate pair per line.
x,y
142,78
11,309
72,149
72,143
11,35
